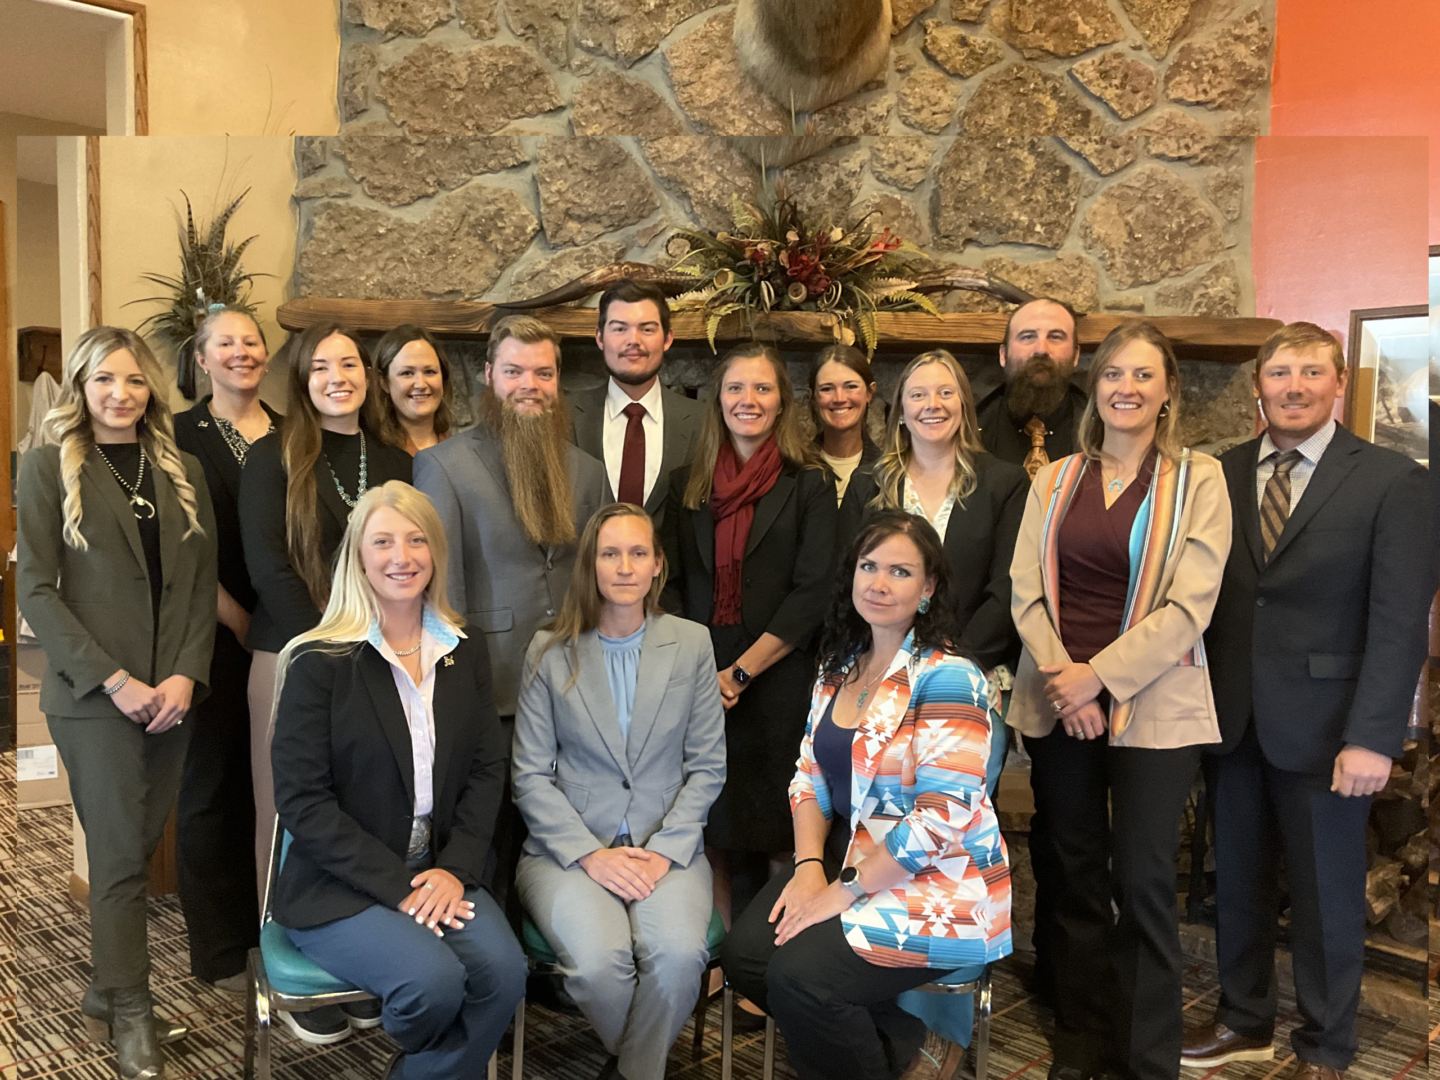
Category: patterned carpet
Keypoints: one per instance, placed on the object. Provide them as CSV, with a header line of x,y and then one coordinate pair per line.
x,y
44,967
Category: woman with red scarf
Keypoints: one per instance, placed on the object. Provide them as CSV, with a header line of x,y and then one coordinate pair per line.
x,y
749,533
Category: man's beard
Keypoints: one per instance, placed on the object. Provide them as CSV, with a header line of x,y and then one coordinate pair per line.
x,y
1037,387
535,448
630,378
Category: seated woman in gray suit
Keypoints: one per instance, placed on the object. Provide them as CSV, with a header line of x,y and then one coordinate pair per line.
x,y
619,752
117,579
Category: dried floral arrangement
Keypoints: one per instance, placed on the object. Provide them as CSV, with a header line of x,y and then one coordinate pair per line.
x,y
210,273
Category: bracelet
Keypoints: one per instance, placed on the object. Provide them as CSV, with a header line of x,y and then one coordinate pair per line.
x,y
801,862
111,691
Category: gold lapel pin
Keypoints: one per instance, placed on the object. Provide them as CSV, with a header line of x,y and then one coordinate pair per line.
x,y
449,661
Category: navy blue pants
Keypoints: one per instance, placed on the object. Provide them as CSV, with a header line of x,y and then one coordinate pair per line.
x,y
446,1001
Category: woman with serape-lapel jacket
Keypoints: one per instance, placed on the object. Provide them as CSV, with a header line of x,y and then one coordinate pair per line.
x,y
1116,573
117,580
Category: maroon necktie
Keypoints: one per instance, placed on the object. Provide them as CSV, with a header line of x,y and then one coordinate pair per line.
x,y
632,457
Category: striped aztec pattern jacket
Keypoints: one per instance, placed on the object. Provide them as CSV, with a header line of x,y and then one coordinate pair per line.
x,y
918,788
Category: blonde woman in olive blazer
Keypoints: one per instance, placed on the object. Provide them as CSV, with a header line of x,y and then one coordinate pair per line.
x,y
1116,571
117,578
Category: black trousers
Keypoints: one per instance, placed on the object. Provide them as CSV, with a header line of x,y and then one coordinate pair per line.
x,y
836,1010
1114,822
1045,866
1262,813
215,822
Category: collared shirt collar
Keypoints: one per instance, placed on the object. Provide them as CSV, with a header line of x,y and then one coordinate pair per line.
x,y
437,638
616,399
1311,449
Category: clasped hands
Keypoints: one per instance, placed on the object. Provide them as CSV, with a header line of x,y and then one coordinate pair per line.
x,y
438,900
631,873
1071,690
160,707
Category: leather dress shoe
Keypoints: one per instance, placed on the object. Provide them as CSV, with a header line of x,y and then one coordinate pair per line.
x,y
96,1009
1308,1070
1215,1044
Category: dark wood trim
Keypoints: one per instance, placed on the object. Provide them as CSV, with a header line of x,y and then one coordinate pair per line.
x,y
1357,379
7,508
92,227
141,31
1434,250
1228,340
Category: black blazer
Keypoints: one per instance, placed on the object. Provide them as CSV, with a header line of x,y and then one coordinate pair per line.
x,y
979,544
283,607
1322,645
345,785
197,433
786,583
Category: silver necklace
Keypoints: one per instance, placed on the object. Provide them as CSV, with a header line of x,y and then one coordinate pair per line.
x,y
865,693
143,507
412,652
361,488
235,439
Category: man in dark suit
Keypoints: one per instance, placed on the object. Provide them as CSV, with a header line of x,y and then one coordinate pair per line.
x,y
1315,646
639,430
1032,418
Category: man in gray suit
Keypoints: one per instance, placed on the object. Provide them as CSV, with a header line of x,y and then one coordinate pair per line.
x,y
638,429
513,496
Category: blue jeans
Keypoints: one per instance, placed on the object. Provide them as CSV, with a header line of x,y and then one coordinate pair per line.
x,y
446,1001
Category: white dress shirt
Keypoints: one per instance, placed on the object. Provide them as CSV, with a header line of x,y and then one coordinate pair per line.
x,y
613,434
437,640
1311,451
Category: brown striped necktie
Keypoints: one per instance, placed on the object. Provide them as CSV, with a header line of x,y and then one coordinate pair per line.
x,y
1275,503
1037,458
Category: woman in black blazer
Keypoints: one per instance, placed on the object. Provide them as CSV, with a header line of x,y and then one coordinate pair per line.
x,y
933,465
296,493
215,818
117,580
842,388
389,765
749,529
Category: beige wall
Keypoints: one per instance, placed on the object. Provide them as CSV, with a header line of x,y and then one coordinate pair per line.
x,y
37,294
140,186
261,67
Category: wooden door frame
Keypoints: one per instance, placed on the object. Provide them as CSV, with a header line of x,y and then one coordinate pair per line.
x,y
140,29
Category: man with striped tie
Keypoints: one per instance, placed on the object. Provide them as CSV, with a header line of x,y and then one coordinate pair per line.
x,y
1315,647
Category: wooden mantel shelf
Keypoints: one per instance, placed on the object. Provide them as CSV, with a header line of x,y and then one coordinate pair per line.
x,y
1227,340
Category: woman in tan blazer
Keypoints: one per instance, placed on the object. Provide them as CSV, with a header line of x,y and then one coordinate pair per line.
x,y
1115,575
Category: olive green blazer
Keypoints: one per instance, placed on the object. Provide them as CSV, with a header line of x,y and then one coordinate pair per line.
x,y
90,610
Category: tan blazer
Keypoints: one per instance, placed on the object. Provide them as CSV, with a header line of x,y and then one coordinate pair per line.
x,y
1172,703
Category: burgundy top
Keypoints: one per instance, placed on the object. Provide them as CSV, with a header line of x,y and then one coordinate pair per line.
x,y
1094,555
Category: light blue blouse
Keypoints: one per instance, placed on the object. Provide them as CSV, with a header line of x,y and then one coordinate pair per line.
x,y
622,665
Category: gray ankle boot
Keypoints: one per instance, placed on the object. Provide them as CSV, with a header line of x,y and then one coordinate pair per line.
x,y
132,1028
95,1008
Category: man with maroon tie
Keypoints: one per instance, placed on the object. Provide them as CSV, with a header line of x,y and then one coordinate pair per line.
x,y
637,428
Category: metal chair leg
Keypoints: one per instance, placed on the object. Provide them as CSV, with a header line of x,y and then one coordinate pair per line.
x,y
701,1007
768,1072
982,1026
727,1032
249,1066
492,1070
517,1059
262,1047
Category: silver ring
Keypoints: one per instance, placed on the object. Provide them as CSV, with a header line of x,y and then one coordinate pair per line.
x,y
1056,706
429,886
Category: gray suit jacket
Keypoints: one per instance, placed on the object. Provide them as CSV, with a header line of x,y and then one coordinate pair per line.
x,y
681,426
90,610
575,775
499,580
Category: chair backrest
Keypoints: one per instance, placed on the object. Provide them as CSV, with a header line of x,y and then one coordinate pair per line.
x,y
279,848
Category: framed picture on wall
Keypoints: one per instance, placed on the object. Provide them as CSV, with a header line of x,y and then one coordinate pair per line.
x,y
1388,398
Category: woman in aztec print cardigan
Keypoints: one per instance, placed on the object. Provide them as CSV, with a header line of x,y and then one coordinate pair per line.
x,y
905,788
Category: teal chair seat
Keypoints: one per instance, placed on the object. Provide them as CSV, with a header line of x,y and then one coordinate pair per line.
x,y
290,971
540,952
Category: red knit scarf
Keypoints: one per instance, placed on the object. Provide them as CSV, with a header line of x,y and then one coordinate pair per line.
x,y
735,489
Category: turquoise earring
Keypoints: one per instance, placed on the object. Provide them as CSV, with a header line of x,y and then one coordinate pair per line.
x,y
924,605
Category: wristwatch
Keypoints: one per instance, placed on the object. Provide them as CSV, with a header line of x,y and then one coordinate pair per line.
x,y
740,675
850,879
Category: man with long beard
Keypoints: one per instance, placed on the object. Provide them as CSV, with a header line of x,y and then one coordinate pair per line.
x,y
1031,418
637,428
513,495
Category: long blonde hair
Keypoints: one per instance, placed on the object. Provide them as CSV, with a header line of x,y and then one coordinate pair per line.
x,y
1167,427
69,424
580,610
790,433
352,606
895,455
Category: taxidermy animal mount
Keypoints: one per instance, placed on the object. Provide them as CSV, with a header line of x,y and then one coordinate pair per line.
x,y
807,54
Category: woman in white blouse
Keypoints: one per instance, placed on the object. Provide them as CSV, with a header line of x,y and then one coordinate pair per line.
x,y
933,465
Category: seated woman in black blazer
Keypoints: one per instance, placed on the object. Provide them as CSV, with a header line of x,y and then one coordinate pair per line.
x,y
933,465
296,493
389,764
748,533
